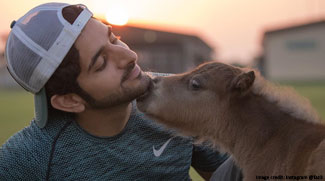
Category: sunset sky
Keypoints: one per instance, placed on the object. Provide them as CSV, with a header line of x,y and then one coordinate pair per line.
x,y
233,27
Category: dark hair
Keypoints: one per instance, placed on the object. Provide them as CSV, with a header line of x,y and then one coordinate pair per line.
x,y
64,79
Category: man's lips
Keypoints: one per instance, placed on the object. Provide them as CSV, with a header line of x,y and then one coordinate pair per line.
x,y
132,72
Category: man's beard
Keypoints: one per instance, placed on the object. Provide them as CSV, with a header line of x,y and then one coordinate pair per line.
x,y
125,96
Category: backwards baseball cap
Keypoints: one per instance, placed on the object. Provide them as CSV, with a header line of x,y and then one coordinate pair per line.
x,y
37,44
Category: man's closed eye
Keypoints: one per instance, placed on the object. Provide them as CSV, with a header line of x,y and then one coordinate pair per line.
x,y
103,65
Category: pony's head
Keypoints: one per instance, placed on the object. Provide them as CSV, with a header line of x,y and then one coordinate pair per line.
x,y
191,101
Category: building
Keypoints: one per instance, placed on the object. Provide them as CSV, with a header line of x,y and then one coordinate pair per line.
x,y
162,51
295,53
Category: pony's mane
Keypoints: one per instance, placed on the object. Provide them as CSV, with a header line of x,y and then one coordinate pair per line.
x,y
286,98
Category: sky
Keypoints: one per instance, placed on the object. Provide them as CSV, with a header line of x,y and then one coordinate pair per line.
x,y
233,27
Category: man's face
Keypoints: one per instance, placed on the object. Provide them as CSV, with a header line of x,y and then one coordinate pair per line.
x,y
109,70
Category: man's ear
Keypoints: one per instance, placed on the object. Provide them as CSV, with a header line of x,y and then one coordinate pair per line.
x,y
243,81
68,103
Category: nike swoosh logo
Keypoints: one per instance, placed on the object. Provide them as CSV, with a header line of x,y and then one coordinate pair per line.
x,y
158,152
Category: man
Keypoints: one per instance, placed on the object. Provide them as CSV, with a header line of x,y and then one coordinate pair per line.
x,y
87,126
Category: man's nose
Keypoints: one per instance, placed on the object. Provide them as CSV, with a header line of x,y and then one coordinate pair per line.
x,y
124,57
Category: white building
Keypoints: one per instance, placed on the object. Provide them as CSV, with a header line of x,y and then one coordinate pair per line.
x,y
295,53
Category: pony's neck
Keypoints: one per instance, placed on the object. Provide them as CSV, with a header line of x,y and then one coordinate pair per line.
x,y
253,121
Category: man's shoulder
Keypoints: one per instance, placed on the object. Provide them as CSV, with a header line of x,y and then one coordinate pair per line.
x,y
30,134
29,139
24,152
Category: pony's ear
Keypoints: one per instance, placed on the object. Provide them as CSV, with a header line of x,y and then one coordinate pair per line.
x,y
243,81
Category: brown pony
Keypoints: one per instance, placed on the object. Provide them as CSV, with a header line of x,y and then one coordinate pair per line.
x,y
269,130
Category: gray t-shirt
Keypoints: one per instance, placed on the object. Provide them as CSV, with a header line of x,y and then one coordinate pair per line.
x,y
144,150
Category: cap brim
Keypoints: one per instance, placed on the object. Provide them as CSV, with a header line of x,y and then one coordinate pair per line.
x,y
40,102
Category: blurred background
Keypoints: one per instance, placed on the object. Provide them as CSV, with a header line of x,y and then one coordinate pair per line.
x,y
284,39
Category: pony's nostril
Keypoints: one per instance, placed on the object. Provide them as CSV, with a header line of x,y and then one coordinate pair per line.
x,y
156,80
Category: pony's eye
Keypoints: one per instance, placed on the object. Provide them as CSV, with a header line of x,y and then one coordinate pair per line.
x,y
195,84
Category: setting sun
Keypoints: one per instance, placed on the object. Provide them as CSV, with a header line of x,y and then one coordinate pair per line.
x,y
117,15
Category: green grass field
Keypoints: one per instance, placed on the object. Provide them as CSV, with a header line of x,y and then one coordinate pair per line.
x,y
16,109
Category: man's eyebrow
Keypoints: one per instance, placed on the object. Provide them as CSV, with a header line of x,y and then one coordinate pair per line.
x,y
95,57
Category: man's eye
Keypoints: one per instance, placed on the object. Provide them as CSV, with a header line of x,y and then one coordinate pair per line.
x,y
102,67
